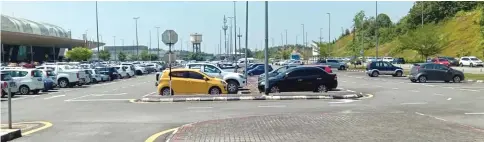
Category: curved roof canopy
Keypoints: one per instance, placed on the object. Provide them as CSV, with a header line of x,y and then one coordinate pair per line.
x,y
13,24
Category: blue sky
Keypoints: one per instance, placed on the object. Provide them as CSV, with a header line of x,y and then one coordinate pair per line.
x,y
116,19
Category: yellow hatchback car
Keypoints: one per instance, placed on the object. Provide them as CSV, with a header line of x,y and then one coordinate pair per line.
x,y
190,81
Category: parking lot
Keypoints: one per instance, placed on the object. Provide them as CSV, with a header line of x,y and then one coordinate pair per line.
x,y
104,112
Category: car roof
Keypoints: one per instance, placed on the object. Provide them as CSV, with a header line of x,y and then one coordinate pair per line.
x,y
184,69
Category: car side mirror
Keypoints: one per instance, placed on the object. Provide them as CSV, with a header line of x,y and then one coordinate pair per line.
x,y
206,78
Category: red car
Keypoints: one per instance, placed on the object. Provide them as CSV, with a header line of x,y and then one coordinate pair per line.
x,y
324,67
441,61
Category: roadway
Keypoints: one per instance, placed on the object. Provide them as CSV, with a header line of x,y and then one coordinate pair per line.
x,y
103,112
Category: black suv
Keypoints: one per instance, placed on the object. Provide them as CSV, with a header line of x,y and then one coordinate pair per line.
x,y
424,72
302,78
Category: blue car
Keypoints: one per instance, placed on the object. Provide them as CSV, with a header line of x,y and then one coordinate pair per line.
x,y
48,85
258,70
252,66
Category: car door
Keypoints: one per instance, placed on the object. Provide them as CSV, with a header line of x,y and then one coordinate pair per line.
x,y
386,68
212,71
197,84
179,82
293,81
430,72
311,78
37,79
442,72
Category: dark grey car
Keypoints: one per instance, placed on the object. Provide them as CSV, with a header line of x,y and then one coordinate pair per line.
x,y
424,72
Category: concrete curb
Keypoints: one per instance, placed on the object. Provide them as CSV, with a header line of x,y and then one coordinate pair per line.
x,y
11,134
476,81
241,98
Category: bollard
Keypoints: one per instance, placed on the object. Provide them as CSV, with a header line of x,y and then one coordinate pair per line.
x,y
9,93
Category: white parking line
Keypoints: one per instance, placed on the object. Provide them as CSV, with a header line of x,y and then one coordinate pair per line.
x,y
199,107
149,94
416,91
97,100
448,99
437,94
395,88
97,95
475,113
54,97
469,90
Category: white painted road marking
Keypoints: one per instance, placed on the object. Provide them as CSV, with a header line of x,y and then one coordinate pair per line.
x,y
448,99
96,100
395,88
437,94
97,95
272,106
475,113
469,90
149,94
54,97
417,103
416,91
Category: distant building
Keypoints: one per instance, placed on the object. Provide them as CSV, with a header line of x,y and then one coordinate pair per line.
x,y
131,50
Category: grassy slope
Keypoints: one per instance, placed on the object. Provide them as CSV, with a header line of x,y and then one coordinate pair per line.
x,y
462,32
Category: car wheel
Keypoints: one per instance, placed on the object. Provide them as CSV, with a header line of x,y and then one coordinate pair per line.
x,y
275,89
471,65
460,64
63,83
322,88
35,92
399,74
166,91
457,79
374,74
343,68
232,87
94,80
422,79
214,91
24,90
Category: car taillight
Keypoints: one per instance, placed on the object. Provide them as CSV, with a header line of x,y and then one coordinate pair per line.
x,y
335,77
77,74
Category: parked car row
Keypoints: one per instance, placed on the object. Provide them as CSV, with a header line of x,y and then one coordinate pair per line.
x,y
48,76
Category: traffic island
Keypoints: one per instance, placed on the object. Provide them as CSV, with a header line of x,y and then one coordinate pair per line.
x,y
21,129
239,97
328,126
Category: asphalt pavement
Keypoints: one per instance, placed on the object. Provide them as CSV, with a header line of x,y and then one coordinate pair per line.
x,y
104,112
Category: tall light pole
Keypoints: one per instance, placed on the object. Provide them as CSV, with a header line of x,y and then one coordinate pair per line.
x,y
329,32
220,44
266,65
246,34
114,39
376,29
235,31
240,35
230,36
272,39
136,27
282,40
224,27
303,35
158,41
97,32
149,47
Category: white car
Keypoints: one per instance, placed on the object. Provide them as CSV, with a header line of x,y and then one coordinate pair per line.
x,y
470,61
388,59
295,63
27,80
234,80
122,71
96,75
66,77
7,82
140,70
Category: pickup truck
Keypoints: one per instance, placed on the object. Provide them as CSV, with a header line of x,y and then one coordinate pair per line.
x,y
66,75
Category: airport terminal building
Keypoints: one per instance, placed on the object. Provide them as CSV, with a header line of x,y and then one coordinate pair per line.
x,y
24,40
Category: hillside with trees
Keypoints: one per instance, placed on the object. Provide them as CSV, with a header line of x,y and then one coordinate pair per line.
x,y
448,28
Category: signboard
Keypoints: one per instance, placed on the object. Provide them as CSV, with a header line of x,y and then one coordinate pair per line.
x,y
169,37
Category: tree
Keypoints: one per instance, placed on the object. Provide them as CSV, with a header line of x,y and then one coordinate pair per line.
x,y
145,56
154,57
249,52
104,55
79,54
195,56
323,49
122,56
133,57
425,41
383,21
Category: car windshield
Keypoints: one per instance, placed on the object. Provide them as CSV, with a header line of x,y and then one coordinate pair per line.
x,y
280,70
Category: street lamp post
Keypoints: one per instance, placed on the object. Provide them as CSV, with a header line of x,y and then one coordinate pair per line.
x,y
136,27
266,65
376,29
158,41
329,33
224,27
240,35
97,32
235,32
230,36
320,35
246,34
303,35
